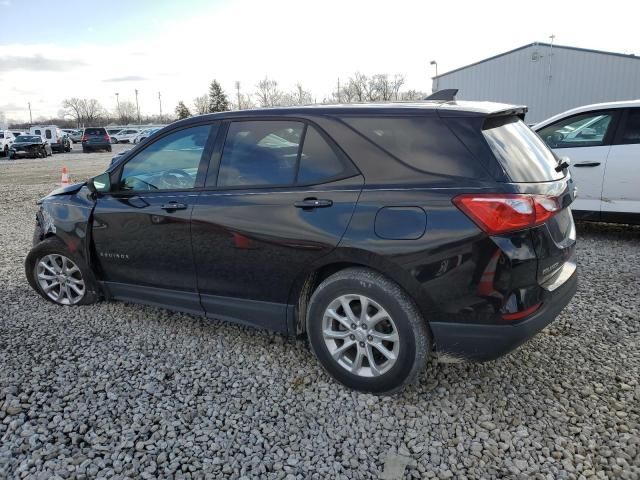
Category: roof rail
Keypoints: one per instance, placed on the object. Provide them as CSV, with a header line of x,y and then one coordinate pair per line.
x,y
446,95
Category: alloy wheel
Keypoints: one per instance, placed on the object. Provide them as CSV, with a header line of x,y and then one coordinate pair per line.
x,y
360,335
60,279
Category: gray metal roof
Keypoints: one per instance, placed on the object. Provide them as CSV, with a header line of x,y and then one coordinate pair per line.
x,y
542,44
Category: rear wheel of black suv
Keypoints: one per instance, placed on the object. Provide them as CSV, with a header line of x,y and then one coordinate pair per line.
x,y
367,332
59,275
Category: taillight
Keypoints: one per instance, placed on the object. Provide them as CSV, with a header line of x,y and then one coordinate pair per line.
x,y
512,317
106,137
498,213
84,138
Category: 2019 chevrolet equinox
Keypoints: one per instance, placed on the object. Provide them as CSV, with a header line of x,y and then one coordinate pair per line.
x,y
384,233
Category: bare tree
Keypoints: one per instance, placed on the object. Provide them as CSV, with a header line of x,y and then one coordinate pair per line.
x,y
201,104
396,85
74,108
412,95
126,112
93,110
245,102
267,93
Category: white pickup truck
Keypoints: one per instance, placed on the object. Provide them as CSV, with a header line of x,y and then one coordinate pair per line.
x,y
6,139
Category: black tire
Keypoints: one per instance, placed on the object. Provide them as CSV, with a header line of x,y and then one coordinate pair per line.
x,y
6,151
85,150
42,154
109,148
114,140
53,245
413,334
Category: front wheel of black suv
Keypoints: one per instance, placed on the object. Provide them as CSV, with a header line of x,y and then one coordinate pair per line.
x,y
59,275
367,332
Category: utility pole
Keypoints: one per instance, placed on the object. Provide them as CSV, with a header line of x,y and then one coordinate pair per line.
x,y
118,101
160,102
433,62
238,92
339,99
30,118
137,106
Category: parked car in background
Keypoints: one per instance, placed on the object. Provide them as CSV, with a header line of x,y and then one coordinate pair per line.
x,y
602,142
6,140
30,146
53,135
95,138
17,133
76,136
126,135
145,134
381,232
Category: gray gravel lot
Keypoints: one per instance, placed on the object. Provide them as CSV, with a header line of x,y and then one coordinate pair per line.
x,y
119,390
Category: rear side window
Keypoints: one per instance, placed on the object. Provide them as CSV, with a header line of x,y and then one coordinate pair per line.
x,y
424,143
260,153
583,130
47,133
521,153
37,132
318,162
95,131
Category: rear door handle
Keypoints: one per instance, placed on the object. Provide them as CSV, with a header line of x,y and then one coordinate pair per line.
x,y
173,206
586,164
311,203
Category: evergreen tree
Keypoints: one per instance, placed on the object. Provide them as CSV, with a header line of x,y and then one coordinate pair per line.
x,y
182,111
218,101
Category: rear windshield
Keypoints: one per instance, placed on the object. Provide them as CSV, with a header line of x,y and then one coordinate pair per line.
x,y
95,131
521,153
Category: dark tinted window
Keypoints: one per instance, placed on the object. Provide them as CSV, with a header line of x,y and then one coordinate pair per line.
x,y
171,163
424,143
522,154
260,153
47,133
631,128
319,161
582,130
95,131
37,132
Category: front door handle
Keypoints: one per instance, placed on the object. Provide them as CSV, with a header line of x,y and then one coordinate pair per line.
x,y
586,164
173,206
311,203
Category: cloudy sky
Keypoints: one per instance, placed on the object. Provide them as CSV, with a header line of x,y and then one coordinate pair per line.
x,y
51,50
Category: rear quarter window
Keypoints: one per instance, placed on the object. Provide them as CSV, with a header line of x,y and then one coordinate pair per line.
x,y
423,143
522,154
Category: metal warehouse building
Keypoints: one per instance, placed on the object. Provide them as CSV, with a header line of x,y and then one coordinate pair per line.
x,y
547,78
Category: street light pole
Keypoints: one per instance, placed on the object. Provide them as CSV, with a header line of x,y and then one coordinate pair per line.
x,y
137,106
238,92
433,62
30,118
160,102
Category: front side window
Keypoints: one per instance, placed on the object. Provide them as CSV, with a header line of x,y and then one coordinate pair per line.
x,y
171,163
37,132
260,153
631,129
583,130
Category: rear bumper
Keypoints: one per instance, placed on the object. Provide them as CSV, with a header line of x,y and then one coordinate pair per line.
x,y
480,343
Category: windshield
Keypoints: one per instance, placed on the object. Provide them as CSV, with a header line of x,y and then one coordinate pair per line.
x,y
521,153
28,138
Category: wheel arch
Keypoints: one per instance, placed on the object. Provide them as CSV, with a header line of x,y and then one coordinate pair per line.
x,y
308,281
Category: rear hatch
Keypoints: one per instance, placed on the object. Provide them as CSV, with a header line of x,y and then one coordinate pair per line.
x,y
95,135
517,158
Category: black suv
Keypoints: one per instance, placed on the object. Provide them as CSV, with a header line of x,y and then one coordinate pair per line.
x,y
382,233
95,138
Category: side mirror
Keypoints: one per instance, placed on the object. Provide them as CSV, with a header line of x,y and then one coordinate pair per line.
x,y
100,184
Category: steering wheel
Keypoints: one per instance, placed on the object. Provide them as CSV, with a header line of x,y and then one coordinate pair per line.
x,y
177,177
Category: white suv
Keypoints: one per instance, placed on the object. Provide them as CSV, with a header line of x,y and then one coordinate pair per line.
x,y
126,135
602,142
6,139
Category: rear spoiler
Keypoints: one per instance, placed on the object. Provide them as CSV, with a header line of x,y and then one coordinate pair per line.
x,y
446,95
517,111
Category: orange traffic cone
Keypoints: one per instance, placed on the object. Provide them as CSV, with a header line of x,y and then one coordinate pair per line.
x,y
65,177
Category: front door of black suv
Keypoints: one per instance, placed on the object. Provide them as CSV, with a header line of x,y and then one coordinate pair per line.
x,y
141,229
281,195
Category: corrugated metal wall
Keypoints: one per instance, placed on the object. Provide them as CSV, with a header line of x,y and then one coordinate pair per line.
x,y
547,80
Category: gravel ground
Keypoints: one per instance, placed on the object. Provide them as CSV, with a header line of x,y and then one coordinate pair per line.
x,y
119,390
